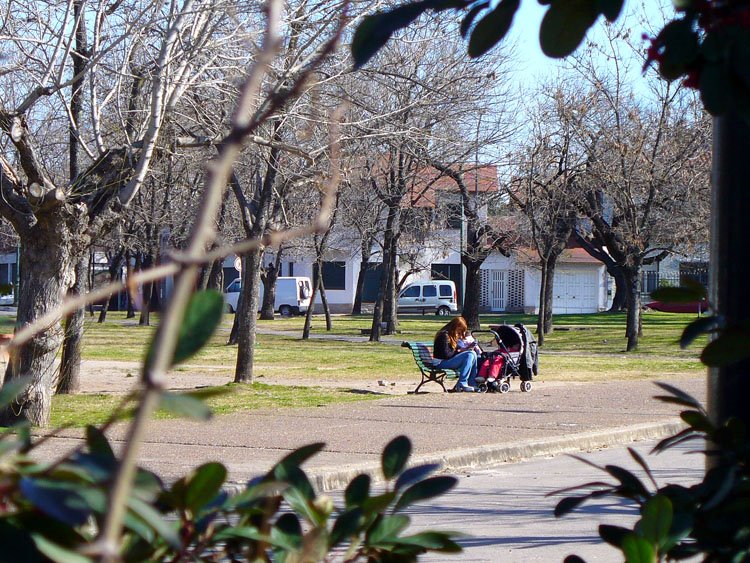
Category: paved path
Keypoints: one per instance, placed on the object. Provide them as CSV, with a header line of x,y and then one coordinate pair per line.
x,y
463,431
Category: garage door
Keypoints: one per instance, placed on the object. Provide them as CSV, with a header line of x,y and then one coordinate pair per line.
x,y
575,292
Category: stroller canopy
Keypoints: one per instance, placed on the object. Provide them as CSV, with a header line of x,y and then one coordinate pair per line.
x,y
509,335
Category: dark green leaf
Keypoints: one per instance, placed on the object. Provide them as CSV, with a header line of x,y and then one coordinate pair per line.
x,y
469,17
656,519
492,27
98,444
427,489
297,480
204,485
11,389
680,51
730,347
357,491
287,532
241,532
724,479
375,30
637,550
610,9
568,504
345,526
202,316
414,474
435,541
153,518
184,405
387,529
642,462
684,398
378,503
697,421
672,441
58,553
395,455
698,327
57,499
630,483
565,25
298,456
613,535
16,540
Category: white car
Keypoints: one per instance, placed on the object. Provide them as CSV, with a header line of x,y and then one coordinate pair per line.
x,y
292,295
434,296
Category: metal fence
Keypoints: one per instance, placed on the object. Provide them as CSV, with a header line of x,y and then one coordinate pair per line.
x,y
650,281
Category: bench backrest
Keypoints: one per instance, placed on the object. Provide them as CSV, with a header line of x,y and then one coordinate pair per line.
x,y
422,352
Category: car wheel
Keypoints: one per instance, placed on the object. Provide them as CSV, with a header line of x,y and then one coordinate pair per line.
x,y
228,308
443,311
285,311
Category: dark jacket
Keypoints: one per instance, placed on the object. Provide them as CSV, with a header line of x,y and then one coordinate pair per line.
x,y
441,349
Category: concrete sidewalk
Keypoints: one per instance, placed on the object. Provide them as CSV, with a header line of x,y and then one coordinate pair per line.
x,y
460,430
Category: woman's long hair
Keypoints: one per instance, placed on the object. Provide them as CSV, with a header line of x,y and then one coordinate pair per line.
x,y
456,329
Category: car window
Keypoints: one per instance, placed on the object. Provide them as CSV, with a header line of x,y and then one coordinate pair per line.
x,y
429,291
411,291
234,287
446,291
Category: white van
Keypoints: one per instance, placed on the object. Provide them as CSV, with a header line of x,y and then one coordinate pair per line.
x,y
292,295
434,296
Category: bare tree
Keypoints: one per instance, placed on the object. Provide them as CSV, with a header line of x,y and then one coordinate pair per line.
x,y
546,188
647,170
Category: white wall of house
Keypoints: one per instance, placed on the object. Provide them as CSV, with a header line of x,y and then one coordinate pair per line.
x,y
578,288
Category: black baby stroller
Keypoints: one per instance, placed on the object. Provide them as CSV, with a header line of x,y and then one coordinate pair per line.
x,y
516,356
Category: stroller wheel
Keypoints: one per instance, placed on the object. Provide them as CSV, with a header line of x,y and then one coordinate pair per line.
x,y
482,388
526,386
504,387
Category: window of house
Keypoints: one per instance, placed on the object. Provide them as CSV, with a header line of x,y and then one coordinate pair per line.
x,y
334,275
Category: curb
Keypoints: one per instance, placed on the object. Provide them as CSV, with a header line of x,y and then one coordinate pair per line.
x,y
325,479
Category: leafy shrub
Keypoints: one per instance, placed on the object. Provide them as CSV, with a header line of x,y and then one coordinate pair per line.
x,y
55,510
710,518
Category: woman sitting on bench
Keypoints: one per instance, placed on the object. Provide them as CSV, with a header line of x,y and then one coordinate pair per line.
x,y
447,350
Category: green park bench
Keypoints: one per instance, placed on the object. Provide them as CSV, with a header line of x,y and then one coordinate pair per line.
x,y
422,352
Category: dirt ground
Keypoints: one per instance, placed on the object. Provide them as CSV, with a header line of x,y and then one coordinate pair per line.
x,y
98,376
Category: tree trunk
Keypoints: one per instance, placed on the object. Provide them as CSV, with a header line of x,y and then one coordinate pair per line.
x,y
729,386
388,265
70,362
46,274
147,289
542,305
633,280
390,301
472,293
248,315
549,293
326,308
269,288
216,277
364,265
308,316
114,273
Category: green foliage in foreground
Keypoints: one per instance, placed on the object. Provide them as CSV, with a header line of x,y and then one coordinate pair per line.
x,y
54,511
710,519
96,408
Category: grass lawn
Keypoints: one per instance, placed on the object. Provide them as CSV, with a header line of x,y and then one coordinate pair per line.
x,y
80,410
583,348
